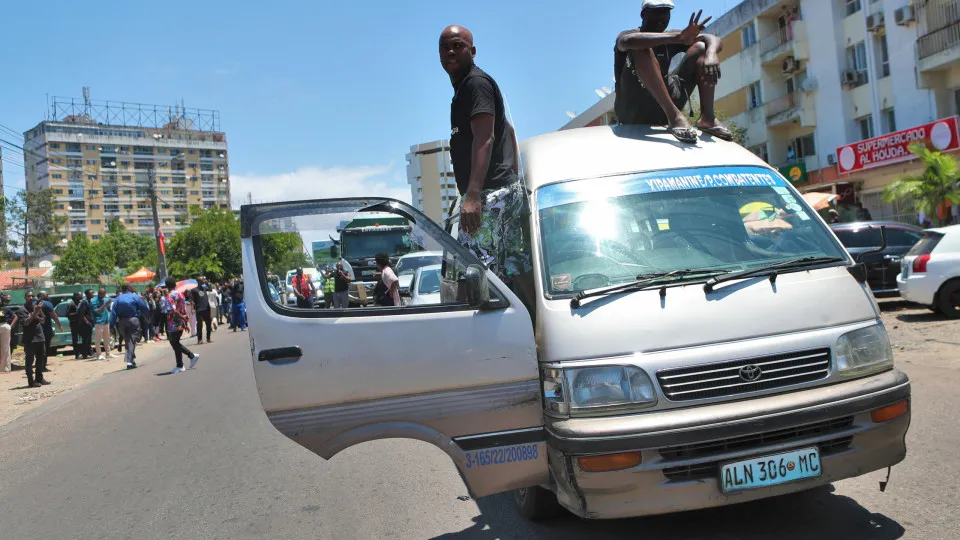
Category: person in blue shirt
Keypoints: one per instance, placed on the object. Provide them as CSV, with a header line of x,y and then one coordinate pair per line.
x,y
125,314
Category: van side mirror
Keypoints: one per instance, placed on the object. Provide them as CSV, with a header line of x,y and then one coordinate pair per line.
x,y
475,286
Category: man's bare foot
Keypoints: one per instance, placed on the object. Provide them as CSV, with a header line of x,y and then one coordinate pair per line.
x,y
681,129
715,128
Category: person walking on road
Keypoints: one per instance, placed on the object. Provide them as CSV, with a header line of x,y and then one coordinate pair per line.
x,y
227,295
176,324
213,295
126,312
100,318
387,290
201,305
239,308
304,290
34,342
7,323
84,318
50,317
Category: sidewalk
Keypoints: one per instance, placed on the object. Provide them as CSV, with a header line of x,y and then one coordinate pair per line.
x,y
66,374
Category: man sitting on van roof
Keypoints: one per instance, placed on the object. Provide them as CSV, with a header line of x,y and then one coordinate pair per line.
x,y
648,92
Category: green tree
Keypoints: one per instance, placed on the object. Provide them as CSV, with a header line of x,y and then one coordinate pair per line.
x,y
81,262
209,246
125,249
34,224
928,190
283,252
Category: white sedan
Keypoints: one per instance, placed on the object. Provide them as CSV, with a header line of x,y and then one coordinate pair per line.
x,y
425,287
930,272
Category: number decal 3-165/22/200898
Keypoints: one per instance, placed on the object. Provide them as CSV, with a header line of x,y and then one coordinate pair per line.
x,y
501,456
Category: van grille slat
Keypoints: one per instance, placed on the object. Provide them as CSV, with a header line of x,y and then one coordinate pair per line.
x,y
723,378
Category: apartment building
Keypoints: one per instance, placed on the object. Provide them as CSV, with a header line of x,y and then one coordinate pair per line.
x,y
832,91
98,159
433,187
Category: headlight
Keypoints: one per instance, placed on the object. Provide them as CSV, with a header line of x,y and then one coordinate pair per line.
x,y
596,389
864,350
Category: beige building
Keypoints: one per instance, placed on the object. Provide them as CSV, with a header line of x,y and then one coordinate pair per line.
x,y
433,188
98,157
810,78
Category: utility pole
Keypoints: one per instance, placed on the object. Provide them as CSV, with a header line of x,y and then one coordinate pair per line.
x,y
161,258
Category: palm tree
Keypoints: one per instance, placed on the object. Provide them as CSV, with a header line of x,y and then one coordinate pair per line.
x,y
925,192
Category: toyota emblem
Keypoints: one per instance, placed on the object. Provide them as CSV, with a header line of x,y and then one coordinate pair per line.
x,y
750,373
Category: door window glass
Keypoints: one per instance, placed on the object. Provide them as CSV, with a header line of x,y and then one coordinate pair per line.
x,y
330,237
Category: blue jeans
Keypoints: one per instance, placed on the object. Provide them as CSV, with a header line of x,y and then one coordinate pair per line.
x,y
239,318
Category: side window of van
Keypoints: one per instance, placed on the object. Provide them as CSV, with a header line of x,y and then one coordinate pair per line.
x,y
350,259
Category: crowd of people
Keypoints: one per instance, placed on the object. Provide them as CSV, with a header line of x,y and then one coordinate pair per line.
x,y
100,324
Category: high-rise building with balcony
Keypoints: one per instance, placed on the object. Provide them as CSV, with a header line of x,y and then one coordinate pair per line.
x,y
433,187
832,91
97,158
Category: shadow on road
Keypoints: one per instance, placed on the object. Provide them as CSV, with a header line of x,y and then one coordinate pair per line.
x,y
920,317
818,513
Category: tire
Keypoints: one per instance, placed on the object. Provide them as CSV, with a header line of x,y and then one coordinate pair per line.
x,y
537,504
948,299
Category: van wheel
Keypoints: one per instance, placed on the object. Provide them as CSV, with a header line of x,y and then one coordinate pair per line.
x,y
537,503
948,299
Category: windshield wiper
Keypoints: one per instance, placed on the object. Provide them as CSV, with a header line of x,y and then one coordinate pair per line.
x,y
642,281
769,270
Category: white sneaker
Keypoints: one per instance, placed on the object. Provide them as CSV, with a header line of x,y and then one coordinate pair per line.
x,y
111,355
177,370
101,357
194,360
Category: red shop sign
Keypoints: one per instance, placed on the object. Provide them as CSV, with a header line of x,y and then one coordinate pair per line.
x,y
941,135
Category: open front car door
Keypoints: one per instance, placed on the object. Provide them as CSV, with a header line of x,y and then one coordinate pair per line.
x,y
459,371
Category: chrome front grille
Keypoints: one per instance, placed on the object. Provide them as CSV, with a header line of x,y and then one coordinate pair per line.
x,y
743,376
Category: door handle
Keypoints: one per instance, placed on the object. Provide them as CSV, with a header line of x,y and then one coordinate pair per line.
x,y
280,355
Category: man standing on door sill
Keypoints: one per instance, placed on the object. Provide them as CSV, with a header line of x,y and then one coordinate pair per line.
x,y
485,155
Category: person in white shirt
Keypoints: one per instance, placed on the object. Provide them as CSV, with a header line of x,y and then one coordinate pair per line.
x,y
387,292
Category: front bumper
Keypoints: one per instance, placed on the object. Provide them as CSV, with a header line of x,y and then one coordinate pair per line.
x,y
917,288
682,449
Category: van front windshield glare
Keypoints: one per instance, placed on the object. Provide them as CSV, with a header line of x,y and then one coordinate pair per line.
x,y
600,232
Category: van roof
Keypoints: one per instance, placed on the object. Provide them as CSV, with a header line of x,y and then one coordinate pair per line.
x,y
611,150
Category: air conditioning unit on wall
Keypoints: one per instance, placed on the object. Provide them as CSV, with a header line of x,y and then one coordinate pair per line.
x,y
875,22
849,77
905,15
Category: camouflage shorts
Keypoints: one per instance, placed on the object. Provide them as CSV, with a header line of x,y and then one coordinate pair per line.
x,y
499,243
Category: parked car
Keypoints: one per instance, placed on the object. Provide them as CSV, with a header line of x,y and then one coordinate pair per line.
x,y
409,263
882,268
425,286
676,363
930,272
61,303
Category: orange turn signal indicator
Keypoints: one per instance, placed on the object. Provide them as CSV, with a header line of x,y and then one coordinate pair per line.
x,y
610,462
890,412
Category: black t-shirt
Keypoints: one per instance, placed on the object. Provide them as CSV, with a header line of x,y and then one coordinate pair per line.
x,y
33,332
629,105
478,93
9,312
49,314
237,293
339,283
201,302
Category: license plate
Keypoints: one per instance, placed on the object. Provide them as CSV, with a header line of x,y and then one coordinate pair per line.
x,y
770,470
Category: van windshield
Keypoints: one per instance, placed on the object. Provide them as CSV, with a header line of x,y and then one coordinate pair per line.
x,y
599,232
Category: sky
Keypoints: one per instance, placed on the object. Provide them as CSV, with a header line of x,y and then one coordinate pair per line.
x,y
317,98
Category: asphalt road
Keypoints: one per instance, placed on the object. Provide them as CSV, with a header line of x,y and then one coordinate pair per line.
x,y
192,456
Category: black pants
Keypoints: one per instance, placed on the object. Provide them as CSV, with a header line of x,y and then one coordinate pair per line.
x,y
47,342
75,340
86,336
178,349
162,323
35,356
204,317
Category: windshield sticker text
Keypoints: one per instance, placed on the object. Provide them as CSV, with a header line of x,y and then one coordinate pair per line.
x,y
720,180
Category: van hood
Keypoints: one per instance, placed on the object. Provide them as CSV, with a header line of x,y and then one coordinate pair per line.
x,y
627,323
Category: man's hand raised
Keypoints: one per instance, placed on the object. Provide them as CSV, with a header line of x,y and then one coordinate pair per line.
x,y
690,34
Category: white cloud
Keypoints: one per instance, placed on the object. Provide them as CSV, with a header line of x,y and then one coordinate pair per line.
x,y
320,183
